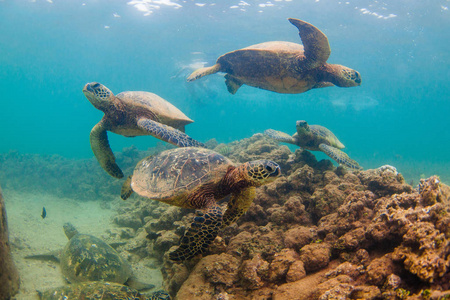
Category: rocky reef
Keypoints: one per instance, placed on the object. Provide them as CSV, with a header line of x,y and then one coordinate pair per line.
x,y
318,232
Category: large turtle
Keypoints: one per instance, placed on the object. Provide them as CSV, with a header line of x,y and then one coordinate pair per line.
x,y
283,67
132,114
316,138
88,258
198,178
99,290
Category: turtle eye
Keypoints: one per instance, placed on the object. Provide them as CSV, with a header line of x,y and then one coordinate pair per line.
x,y
95,85
269,168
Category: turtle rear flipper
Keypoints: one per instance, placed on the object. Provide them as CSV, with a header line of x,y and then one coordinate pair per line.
x,y
315,43
232,84
339,156
126,190
51,256
203,72
134,283
280,136
200,235
168,134
102,151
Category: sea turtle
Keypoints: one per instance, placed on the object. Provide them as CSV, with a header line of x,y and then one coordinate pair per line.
x,y
94,290
283,67
198,178
315,138
88,258
130,114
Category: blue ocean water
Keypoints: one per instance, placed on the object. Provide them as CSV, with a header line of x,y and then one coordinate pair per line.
x,y
398,116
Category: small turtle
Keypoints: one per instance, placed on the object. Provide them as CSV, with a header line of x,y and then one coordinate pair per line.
x,y
99,290
198,178
132,114
283,67
88,258
315,138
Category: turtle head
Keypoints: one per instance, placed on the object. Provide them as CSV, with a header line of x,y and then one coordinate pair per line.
x,y
262,171
344,77
98,94
70,230
302,127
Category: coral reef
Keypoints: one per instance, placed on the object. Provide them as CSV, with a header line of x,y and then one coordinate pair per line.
x,y
318,232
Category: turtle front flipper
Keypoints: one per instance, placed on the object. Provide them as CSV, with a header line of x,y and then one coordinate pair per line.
x,y
280,136
168,134
200,235
126,190
238,205
315,43
102,150
203,72
339,156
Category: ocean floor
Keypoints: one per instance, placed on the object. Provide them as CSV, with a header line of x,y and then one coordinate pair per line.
x,y
30,234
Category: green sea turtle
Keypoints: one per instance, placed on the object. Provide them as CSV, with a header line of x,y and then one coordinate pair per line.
x,y
283,67
88,258
198,178
99,290
315,138
133,114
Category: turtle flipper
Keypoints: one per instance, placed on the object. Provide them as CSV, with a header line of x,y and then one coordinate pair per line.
x,y
232,84
315,43
126,190
203,72
339,156
238,205
280,136
168,134
200,235
102,150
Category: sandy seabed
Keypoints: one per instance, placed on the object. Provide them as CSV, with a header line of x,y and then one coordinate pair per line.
x,y
30,234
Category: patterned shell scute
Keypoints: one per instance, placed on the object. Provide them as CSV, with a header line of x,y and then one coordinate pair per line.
x,y
177,171
87,258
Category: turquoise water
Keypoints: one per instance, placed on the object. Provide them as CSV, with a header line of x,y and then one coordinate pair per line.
x,y
398,116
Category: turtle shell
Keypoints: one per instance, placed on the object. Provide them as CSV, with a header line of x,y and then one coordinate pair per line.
x,y
276,56
92,290
173,174
324,135
164,111
280,71
87,258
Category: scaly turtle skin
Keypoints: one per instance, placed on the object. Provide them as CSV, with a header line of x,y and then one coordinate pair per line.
x,y
316,138
87,258
99,290
133,114
283,67
198,178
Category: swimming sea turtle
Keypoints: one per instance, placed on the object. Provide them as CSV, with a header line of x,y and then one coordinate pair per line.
x,y
88,258
99,290
132,114
283,67
198,178
315,138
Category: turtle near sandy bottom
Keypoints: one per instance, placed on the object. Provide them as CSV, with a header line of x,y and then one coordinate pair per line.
x,y
130,114
88,258
198,178
283,67
316,138
99,290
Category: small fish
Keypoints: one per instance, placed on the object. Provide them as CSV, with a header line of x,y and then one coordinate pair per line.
x,y
44,213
